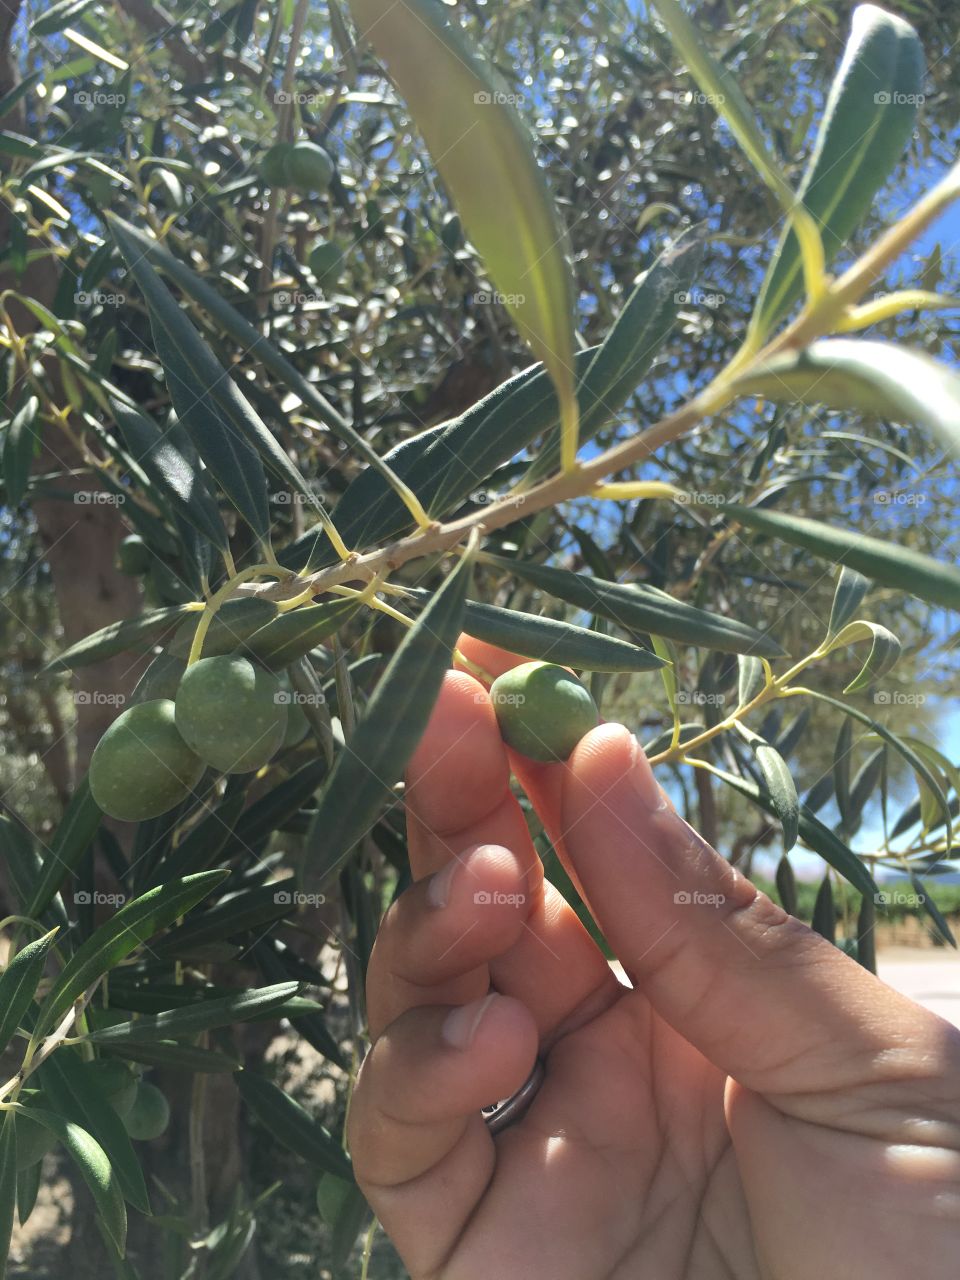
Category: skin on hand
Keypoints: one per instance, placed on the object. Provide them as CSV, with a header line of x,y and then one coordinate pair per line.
x,y
755,1106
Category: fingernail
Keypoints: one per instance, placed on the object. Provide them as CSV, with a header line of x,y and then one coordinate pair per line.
x,y
438,888
645,785
460,1025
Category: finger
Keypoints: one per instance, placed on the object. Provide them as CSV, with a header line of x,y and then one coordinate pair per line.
x,y
758,993
421,1151
458,796
437,939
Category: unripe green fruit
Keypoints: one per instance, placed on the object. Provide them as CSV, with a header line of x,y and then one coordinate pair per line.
x,y
142,767
118,1083
273,166
133,556
308,168
543,711
149,1115
326,262
232,713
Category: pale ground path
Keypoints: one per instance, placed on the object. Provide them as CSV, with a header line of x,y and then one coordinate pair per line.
x,y
929,976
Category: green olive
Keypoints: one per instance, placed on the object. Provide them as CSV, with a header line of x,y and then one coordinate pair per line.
x,y
543,711
142,767
232,713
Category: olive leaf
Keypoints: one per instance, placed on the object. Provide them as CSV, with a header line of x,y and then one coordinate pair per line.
x,y
885,649
866,933
812,831
76,1092
891,565
933,911
374,759
643,608
824,919
841,774
169,465
8,1184
292,1125
94,1167
292,635
134,924
865,127
18,984
175,1057
70,841
532,636
750,678
786,883
19,445
201,1015
249,909
779,783
485,157
139,633
880,379
847,598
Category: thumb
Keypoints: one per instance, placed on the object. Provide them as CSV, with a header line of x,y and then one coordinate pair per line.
x,y
763,997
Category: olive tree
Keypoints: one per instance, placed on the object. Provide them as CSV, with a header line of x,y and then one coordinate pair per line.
x,y
307,373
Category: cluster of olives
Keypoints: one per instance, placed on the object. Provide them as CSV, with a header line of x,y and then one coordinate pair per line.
x,y
141,1106
543,711
224,711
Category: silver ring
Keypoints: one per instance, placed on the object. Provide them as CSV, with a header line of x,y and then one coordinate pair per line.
x,y
501,1114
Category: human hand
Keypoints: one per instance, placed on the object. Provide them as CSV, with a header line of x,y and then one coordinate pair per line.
x,y
758,1105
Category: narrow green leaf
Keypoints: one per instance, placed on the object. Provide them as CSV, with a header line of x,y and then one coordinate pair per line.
x,y
176,1057
750,678
18,984
374,759
813,833
232,419
866,124
885,649
94,1166
292,1125
824,919
249,909
291,635
233,623
231,458
130,633
546,638
199,1016
841,774
866,933
486,160
787,885
70,842
643,608
60,15
19,445
172,469
8,1185
879,379
271,811
77,1094
865,783
783,791
18,93
884,562
849,595
28,1188
133,926
933,911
